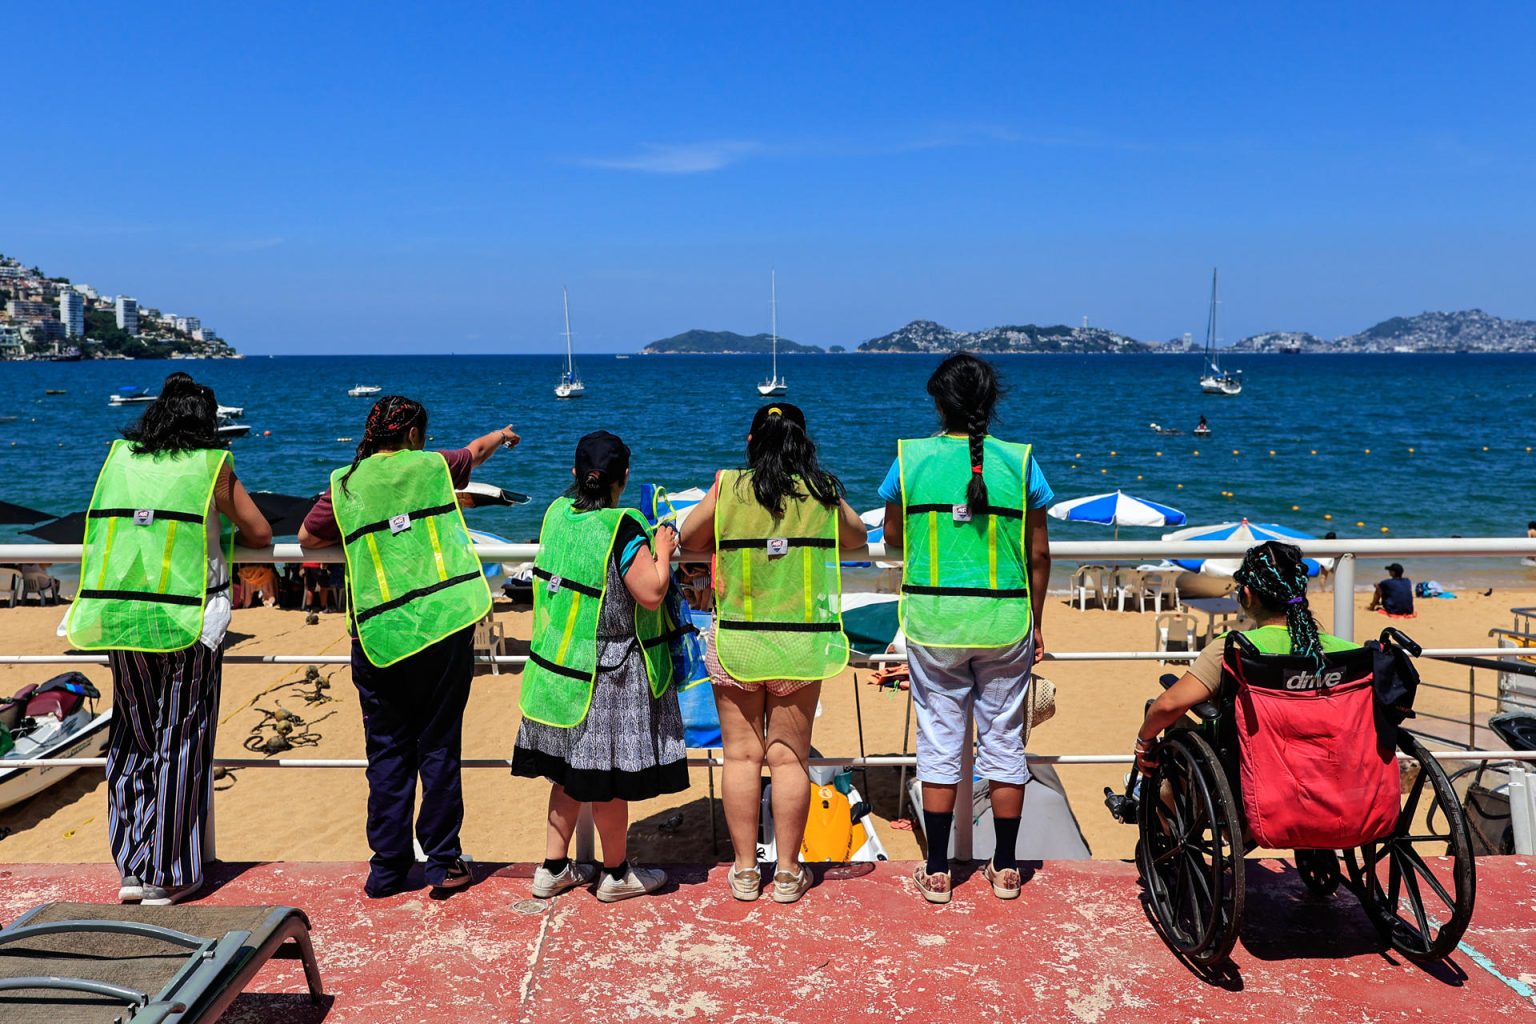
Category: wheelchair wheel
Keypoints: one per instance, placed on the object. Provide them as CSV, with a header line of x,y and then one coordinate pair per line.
x,y
1319,870
1406,900
1192,872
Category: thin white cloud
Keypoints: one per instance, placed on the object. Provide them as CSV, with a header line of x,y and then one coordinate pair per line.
x,y
681,158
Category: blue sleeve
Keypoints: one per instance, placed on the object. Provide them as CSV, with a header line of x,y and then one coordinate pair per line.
x,y
629,542
1040,493
890,487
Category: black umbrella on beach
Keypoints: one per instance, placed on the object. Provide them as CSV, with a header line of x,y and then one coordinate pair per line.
x,y
11,515
283,511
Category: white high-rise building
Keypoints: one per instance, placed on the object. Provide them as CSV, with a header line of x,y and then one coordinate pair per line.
x,y
72,312
128,314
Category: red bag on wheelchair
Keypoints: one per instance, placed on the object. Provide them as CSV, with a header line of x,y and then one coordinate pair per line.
x,y
1316,757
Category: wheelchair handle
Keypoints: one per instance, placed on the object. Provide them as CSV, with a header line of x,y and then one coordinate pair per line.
x,y
1396,636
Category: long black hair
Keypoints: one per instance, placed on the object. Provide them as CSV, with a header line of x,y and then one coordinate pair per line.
x,y
389,422
778,451
1277,576
966,390
184,418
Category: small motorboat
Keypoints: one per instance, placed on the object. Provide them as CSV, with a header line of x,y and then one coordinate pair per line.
x,y
56,391
1158,428
479,495
130,395
227,429
56,719
363,390
231,412
1201,431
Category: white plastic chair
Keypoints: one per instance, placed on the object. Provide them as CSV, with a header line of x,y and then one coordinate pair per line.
x,y
1177,632
489,639
1157,585
10,586
1085,580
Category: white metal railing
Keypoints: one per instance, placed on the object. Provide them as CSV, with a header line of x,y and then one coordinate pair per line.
x,y
1345,551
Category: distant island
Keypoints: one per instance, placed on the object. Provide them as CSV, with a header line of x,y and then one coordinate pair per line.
x,y
1467,331
54,319
724,343
927,336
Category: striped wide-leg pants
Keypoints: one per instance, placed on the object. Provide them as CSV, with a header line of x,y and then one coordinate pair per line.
x,y
164,712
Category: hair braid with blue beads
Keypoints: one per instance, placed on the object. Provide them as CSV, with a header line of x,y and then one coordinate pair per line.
x,y
1277,577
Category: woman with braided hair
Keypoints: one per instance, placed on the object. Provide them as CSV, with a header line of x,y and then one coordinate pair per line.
x,y
968,511
416,592
1271,590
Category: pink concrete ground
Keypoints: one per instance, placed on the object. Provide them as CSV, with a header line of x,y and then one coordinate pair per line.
x,y
1076,947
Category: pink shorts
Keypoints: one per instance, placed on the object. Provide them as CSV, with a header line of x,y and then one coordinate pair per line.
x,y
720,677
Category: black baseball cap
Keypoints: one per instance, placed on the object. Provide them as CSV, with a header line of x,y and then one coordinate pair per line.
x,y
784,409
1394,567
604,454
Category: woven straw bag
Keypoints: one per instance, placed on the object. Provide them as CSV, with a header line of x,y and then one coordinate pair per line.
x,y
1042,704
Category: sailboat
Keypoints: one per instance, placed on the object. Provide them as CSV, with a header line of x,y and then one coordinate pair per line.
x,y
774,385
1215,380
570,385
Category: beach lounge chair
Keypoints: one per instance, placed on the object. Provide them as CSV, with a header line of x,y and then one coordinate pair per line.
x,y
86,963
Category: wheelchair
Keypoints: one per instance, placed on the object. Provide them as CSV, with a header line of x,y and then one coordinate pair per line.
x,y
1197,823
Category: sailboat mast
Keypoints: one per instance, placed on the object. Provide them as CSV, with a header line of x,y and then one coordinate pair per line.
x,y
773,304
1210,326
570,366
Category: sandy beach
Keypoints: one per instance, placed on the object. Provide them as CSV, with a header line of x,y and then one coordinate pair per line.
x,y
317,814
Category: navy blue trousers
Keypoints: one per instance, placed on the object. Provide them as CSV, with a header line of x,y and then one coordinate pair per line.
x,y
165,708
413,722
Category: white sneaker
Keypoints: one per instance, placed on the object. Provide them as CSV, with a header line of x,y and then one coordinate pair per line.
x,y
131,891
636,882
546,883
165,896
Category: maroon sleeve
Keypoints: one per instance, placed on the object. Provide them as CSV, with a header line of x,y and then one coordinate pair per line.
x,y
460,462
321,520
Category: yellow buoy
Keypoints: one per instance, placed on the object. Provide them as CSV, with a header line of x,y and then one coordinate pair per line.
x,y
1359,522
1410,451
1160,454
1271,451
1295,508
1103,471
1385,530
1113,454
1485,447
1236,452
1180,486
1138,476
1327,515
1367,451
1314,451
1078,455
1195,452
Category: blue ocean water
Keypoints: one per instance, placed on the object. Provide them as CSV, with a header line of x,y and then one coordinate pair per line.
x,y
1423,445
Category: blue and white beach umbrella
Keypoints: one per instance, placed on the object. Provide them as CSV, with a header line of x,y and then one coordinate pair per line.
x,y
1116,509
1252,533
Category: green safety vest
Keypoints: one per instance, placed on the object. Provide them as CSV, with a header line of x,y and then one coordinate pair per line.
x,y
1277,640
144,571
778,586
570,582
965,571
413,577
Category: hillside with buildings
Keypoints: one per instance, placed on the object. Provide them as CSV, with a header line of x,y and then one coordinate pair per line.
x,y
927,336
52,318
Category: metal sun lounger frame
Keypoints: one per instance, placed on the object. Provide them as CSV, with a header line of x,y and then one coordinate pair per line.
x,y
214,975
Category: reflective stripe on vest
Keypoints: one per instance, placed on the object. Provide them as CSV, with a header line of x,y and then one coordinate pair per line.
x,y
413,577
778,586
144,570
965,573
570,584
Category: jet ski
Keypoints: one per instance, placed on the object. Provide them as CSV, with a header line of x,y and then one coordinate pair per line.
x,y
56,719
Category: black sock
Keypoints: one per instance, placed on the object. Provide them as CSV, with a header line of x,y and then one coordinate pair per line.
x,y
1003,854
937,826
618,871
556,865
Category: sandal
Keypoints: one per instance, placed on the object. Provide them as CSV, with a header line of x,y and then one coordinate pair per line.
x,y
934,887
746,885
1006,882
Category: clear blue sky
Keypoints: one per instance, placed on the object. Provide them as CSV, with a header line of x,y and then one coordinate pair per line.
x,y
400,177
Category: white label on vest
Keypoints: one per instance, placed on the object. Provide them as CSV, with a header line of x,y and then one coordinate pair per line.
x,y
962,513
400,523
778,546
143,516
554,583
